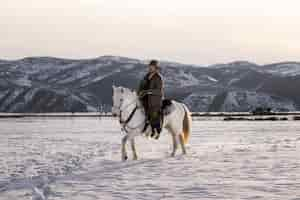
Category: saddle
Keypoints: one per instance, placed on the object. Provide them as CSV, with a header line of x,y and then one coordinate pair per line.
x,y
166,104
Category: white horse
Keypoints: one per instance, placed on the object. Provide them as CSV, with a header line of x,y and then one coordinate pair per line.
x,y
130,111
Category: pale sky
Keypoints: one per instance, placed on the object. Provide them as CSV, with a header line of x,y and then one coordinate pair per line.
x,y
187,31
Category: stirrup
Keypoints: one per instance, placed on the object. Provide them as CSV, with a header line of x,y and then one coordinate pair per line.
x,y
155,134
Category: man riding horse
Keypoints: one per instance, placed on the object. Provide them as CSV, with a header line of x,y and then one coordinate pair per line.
x,y
151,93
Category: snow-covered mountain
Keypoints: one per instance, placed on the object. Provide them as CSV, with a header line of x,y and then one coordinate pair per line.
x,y
283,69
47,84
249,100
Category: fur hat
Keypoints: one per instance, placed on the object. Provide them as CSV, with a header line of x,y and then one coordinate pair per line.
x,y
154,63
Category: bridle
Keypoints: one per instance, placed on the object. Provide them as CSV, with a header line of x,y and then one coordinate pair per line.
x,y
122,108
131,114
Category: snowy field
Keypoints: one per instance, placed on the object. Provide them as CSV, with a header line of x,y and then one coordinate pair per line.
x,y
79,159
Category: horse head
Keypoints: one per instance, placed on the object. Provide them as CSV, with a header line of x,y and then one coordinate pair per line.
x,y
121,97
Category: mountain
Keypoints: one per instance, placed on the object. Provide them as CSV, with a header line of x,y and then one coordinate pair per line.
x,y
47,84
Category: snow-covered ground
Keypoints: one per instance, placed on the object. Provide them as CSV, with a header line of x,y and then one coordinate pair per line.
x,y
79,159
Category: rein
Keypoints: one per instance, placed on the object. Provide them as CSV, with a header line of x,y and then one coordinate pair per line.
x,y
125,123
129,118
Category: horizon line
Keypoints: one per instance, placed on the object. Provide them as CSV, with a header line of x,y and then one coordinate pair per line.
x,y
143,59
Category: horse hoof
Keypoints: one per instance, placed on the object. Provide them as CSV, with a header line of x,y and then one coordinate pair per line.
x,y
135,158
173,155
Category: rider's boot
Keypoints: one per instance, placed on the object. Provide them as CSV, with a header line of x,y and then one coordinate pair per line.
x,y
156,132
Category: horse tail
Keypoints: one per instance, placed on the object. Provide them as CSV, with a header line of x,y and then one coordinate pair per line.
x,y
187,123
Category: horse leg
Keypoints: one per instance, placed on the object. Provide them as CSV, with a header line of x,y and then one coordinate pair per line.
x,y
133,149
124,153
174,144
181,139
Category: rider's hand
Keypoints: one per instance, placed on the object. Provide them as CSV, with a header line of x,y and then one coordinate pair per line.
x,y
141,93
144,92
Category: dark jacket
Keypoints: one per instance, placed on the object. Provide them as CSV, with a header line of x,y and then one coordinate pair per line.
x,y
151,90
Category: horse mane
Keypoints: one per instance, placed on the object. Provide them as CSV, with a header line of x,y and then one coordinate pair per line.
x,y
128,91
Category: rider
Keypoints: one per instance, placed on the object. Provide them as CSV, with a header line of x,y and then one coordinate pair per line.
x,y
151,93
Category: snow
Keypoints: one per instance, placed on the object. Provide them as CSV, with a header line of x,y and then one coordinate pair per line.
x,y
199,101
239,100
187,79
212,79
76,75
83,101
11,97
30,94
230,101
23,81
128,66
234,64
79,159
47,72
3,93
111,58
285,69
249,100
233,81
119,59
98,78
